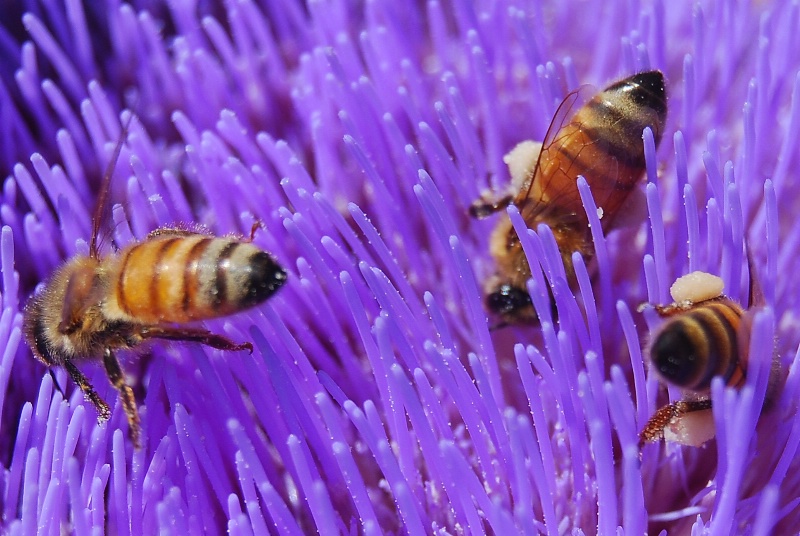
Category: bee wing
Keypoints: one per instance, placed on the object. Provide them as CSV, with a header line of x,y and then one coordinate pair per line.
x,y
537,183
583,140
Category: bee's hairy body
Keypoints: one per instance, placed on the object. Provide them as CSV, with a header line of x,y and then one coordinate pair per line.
x,y
92,306
602,142
706,335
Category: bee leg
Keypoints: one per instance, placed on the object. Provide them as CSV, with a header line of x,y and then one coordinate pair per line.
x,y
193,335
654,429
117,377
103,411
484,207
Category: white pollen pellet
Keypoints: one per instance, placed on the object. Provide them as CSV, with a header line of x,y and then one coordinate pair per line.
x,y
696,287
691,429
599,213
521,160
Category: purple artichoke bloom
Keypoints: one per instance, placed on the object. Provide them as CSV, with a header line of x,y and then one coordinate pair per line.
x,y
379,400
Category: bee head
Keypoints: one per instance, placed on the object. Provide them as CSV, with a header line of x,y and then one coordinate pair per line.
x,y
510,303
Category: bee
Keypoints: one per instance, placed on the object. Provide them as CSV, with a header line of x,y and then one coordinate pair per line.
x,y
706,335
94,305
602,141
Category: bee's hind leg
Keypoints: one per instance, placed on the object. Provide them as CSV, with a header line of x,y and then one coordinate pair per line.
x,y
654,429
201,336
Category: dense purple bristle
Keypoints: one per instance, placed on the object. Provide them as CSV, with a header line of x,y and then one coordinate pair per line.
x,y
381,398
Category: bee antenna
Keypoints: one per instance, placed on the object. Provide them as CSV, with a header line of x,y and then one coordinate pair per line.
x,y
105,187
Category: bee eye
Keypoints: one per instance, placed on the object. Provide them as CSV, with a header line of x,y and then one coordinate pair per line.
x,y
675,356
507,299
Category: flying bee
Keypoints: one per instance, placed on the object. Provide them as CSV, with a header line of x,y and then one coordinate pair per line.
x,y
706,335
94,305
602,141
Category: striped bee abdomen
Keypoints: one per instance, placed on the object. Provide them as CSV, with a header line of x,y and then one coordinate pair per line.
x,y
693,347
603,141
182,278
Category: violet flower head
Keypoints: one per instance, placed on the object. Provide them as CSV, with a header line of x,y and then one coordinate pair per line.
x,y
378,400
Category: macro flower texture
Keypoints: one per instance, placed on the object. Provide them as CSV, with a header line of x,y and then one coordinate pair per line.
x,y
381,397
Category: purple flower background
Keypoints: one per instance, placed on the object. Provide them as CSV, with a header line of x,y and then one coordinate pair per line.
x,y
377,400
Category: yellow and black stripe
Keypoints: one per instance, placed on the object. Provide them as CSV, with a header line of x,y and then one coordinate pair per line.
x,y
693,347
180,279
